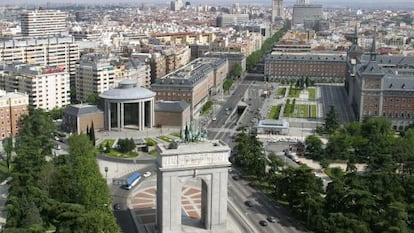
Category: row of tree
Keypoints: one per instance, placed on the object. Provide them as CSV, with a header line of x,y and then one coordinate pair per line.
x,y
65,193
377,200
267,46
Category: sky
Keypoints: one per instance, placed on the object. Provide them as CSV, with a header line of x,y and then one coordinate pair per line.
x,y
383,4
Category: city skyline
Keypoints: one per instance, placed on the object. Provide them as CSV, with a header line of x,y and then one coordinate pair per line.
x,y
377,4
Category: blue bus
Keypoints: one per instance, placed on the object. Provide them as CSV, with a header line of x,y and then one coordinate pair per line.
x,y
133,180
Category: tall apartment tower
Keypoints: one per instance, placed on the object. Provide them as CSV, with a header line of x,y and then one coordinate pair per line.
x,y
59,51
94,74
41,23
277,9
47,86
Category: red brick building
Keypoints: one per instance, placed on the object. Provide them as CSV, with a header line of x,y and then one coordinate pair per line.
x,y
13,106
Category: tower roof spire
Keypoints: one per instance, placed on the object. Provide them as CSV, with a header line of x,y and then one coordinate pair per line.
x,y
355,39
373,54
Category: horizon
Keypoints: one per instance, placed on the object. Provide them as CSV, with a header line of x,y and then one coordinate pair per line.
x,y
368,4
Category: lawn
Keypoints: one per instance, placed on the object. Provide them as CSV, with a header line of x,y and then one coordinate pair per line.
x,y
165,138
114,153
313,111
312,93
150,142
302,111
281,91
176,134
274,112
109,142
294,92
305,111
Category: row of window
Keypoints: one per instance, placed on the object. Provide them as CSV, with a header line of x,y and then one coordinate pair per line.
x,y
174,94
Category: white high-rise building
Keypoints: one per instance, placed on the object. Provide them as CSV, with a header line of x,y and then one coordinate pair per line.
x,y
176,5
94,74
54,51
42,23
47,87
277,9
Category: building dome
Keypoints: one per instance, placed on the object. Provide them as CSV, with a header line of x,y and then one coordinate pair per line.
x,y
127,90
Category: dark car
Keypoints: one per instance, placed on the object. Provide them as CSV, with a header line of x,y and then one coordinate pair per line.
x,y
236,177
117,206
248,203
271,219
263,222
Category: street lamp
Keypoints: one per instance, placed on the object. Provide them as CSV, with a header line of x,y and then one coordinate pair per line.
x,y
106,172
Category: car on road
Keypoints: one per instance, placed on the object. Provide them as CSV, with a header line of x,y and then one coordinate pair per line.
x,y
271,219
263,222
117,206
236,177
147,174
248,203
214,119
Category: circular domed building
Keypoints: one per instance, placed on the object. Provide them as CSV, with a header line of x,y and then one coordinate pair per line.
x,y
128,106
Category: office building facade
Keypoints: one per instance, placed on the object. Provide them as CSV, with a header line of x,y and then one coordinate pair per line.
x,y
304,65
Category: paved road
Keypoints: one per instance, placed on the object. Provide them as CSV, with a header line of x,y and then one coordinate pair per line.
x,y
240,191
335,95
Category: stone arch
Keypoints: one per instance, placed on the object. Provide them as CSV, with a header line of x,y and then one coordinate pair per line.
x,y
206,161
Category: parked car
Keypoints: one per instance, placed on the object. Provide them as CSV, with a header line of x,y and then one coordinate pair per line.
x,y
263,222
248,203
147,174
271,219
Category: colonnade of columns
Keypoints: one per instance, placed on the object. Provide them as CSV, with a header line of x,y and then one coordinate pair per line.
x,y
145,115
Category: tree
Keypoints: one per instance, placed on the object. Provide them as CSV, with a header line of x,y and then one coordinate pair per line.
x,y
93,98
126,145
92,134
8,148
56,113
314,147
331,120
236,70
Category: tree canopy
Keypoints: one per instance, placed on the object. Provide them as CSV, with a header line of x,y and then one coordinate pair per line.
x,y
378,200
66,193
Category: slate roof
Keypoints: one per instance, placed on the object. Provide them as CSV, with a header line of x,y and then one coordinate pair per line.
x,y
81,109
306,57
170,106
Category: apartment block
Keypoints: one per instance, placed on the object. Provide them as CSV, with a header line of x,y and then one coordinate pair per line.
x,y
53,51
94,74
13,105
47,87
41,23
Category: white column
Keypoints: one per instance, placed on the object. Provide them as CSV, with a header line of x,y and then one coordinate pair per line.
x,y
139,115
142,115
152,114
122,116
108,112
118,114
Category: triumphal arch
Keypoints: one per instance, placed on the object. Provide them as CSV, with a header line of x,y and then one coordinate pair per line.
x,y
205,160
